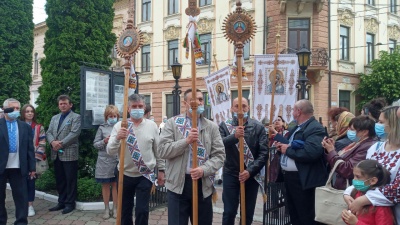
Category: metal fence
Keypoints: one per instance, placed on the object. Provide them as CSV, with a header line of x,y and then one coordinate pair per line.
x,y
275,210
159,198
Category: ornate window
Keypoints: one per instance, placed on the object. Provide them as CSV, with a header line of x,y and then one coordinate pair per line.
x,y
173,7
344,43
146,10
370,48
173,47
146,58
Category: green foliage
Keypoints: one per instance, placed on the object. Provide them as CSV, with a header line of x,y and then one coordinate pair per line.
x,y
46,181
16,46
88,190
384,81
78,31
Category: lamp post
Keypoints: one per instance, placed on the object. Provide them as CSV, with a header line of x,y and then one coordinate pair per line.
x,y
176,72
304,61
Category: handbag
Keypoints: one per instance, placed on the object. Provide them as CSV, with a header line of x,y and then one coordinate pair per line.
x,y
41,166
329,202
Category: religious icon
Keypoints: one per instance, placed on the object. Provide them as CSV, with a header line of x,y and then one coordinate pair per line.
x,y
127,41
239,27
279,83
221,95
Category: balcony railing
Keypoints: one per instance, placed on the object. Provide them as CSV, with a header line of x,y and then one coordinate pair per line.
x,y
319,56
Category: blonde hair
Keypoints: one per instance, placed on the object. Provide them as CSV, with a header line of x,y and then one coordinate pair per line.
x,y
394,124
111,109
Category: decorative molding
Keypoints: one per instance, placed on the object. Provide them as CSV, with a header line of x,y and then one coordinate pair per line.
x,y
172,33
371,25
282,6
300,6
118,24
147,38
205,26
346,17
393,32
320,5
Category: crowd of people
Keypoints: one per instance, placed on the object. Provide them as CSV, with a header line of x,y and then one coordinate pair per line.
x,y
302,153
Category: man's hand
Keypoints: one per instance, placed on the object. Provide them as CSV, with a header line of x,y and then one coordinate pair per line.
x,y
122,133
106,140
56,145
196,173
32,175
239,132
349,217
348,199
160,178
243,176
193,136
281,147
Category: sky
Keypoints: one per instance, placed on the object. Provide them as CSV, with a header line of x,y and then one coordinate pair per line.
x,y
39,15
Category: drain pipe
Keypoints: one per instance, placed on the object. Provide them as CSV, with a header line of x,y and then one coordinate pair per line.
x,y
330,57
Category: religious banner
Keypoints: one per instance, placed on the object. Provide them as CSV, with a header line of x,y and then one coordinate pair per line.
x,y
218,87
285,86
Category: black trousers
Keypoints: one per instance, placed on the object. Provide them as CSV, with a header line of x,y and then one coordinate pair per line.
x,y
20,195
66,173
180,205
301,203
141,187
231,198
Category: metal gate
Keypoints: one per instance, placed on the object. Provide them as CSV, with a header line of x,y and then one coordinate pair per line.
x,y
159,198
275,210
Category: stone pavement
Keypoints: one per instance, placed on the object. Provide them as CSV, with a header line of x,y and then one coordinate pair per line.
x,y
77,217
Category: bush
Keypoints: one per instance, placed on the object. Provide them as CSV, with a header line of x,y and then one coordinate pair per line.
x,y
88,190
46,181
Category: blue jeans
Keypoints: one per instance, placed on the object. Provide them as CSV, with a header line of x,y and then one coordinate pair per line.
x,y
140,186
231,196
180,205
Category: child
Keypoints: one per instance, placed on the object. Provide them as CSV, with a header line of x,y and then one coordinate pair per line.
x,y
368,175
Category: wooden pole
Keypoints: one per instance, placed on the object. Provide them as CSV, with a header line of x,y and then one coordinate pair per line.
x,y
239,55
273,81
124,124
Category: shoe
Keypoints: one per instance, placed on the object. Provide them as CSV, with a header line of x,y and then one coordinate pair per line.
x,y
219,182
68,209
31,211
106,214
115,212
59,206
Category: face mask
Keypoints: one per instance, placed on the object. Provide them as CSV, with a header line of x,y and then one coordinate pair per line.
x,y
200,109
352,135
164,120
14,115
137,113
245,115
380,130
112,121
152,120
360,185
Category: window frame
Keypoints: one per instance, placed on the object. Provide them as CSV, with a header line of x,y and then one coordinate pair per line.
x,y
299,46
146,7
206,47
175,52
371,2
344,50
145,58
204,2
370,54
175,7
393,43
36,64
393,6
348,102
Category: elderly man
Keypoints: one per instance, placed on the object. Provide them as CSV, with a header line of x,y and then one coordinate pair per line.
x,y
176,147
140,160
17,161
62,135
302,163
256,140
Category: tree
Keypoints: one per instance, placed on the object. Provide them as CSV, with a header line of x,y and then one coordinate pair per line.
x,y
79,31
16,46
384,81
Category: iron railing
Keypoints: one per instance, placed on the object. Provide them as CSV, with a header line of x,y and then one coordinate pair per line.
x,y
319,56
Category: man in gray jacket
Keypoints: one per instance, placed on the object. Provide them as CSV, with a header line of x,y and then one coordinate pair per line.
x,y
175,146
62,135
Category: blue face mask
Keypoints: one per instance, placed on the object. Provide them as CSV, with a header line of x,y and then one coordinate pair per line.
x,y
245,115
112,121
360,185
380,130
352,135
164,120
200,109
14,115
137,113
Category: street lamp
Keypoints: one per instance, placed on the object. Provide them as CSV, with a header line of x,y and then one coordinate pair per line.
x,y
176,72
304,61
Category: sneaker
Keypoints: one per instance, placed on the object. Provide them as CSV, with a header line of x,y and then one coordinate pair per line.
x,y
106,214
31,211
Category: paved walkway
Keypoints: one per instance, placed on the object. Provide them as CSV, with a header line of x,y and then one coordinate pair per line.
x,y
77,217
